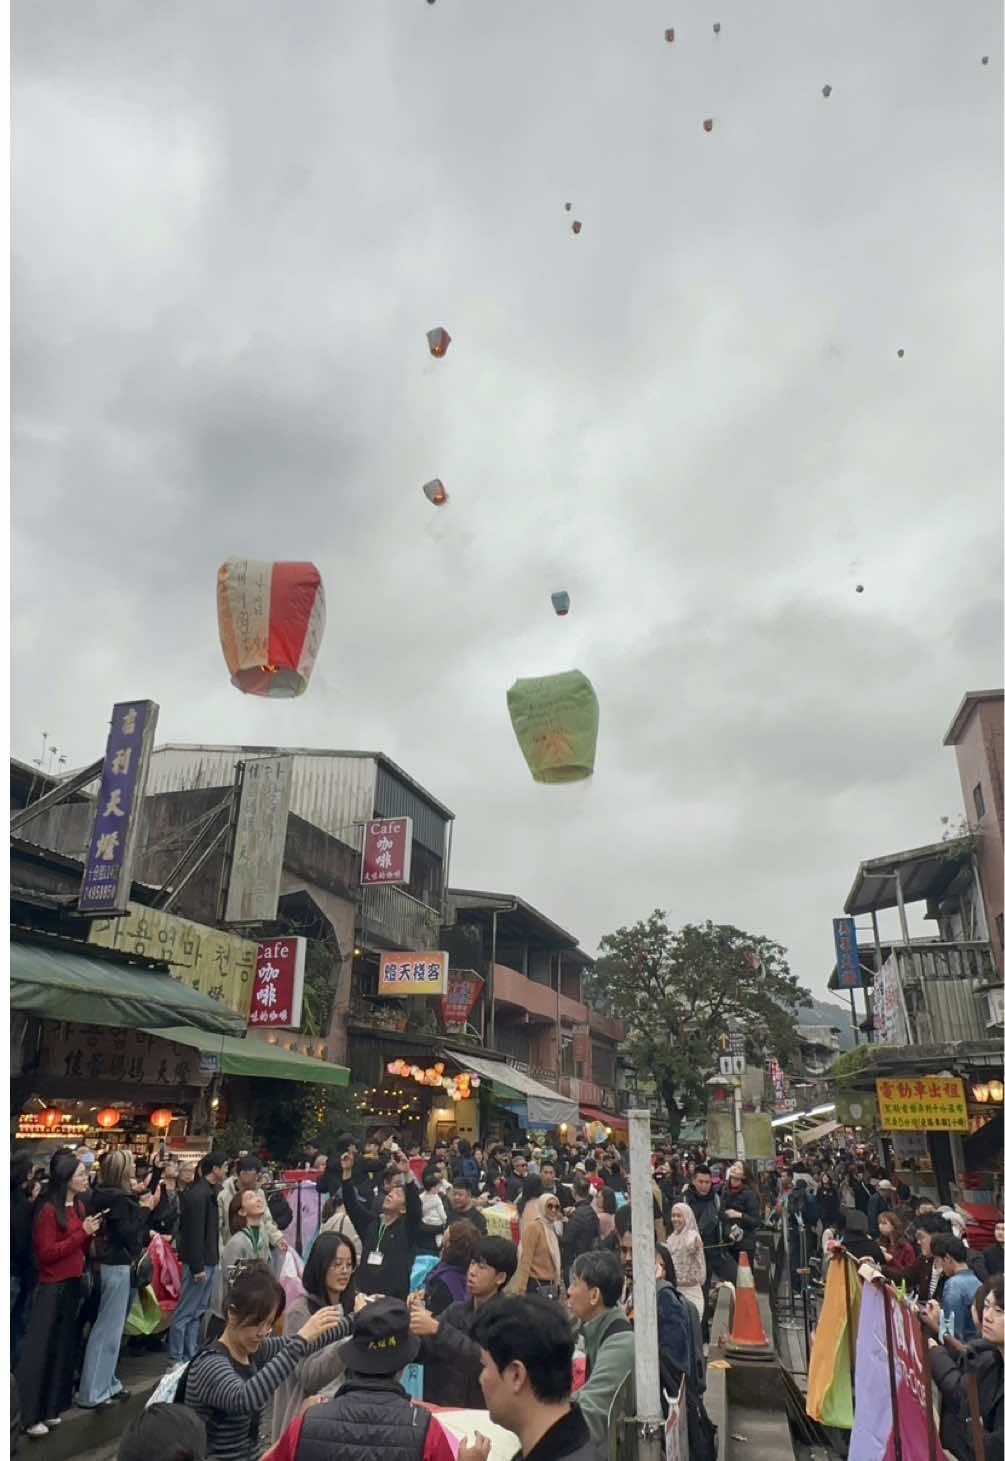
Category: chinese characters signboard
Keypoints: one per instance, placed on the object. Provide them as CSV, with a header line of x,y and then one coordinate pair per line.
x,y
849,971
108,873
387,851
402,974
219,964
256,863
463,989
128,1058
929,1104
279,984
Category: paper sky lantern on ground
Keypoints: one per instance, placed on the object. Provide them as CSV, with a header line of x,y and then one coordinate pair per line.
x,y
436,492
272,617
560,602
555,718
438,341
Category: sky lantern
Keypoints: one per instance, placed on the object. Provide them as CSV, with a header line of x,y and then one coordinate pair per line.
x,y
827,90
436,492
716,28
438,341
271,618
984,60
577,227
668,35
555,719
568,207
707,124
108,1118
860,588
900,354
560,602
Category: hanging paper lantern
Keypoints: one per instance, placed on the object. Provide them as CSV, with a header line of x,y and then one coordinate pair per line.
x,y
436,492
439,1067
108,1118
577,227
161,1118
51,1117
438,341
707,124
827,91
668,35
476,1080
560,602
555,718
271,618
390,1067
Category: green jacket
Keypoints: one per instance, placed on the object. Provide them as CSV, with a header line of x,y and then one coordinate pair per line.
x,y
608,1361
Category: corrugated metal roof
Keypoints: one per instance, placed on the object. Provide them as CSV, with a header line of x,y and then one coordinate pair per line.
x,y
952,1012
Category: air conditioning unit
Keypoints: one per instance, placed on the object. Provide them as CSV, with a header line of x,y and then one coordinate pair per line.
x,y
993,998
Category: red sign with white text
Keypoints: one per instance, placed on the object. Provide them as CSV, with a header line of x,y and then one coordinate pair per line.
x,y
279,984
387,851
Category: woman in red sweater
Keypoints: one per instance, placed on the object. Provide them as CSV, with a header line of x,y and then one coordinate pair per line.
x,y
61,1236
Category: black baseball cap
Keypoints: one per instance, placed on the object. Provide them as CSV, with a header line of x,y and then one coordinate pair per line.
x,y
382,1343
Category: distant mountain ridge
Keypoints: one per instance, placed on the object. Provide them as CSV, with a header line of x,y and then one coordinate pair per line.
x,y
825,1012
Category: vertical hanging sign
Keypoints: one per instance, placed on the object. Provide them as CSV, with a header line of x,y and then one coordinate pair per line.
x,y
849,970
256,866
108,872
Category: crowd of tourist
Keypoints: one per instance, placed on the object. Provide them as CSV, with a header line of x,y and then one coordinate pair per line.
x,y
401,1269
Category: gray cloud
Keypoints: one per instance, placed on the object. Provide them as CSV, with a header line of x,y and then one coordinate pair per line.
x,y
233,224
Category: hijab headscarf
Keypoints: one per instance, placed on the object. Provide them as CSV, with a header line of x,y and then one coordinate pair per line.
x,y
689,1237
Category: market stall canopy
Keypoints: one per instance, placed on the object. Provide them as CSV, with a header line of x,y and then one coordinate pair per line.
x,y
545,1107
55,984
258,1059
816,1133
594,1113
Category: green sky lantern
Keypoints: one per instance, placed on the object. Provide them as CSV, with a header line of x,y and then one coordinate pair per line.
x,y
555,718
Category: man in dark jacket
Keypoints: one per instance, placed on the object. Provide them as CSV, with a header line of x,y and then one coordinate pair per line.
x,y
461,1207
199,1251
527,1344
583,1228
550,1183
390,1241
371,1415
451,1358
703,1201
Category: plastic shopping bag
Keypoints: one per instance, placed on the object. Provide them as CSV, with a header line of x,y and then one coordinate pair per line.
x,y
291,1269
145,1316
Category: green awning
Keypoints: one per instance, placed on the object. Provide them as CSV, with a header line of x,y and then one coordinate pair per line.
x,y
256,1058
54,984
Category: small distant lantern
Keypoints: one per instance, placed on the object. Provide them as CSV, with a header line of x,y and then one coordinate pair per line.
x,y
438,341
108,1118
707,124
51,1117
827,91
161,1118
860,588
984,60
900,354
568,207
577,227
716,28
560,602
435,492
668,35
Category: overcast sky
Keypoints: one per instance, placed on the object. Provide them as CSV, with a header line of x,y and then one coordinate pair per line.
x,y
233,225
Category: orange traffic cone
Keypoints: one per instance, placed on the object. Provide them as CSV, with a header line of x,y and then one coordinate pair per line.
x,y
748,1339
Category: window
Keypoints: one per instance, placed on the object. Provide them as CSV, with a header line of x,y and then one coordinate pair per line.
x,y
978,801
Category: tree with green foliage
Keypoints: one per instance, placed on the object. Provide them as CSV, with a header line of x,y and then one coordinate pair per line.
x,y
678,990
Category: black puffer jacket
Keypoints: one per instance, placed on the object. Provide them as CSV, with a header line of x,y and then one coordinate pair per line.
x,y
126,1230
743,1201
370,1419
706,1215
950,1374
581,1233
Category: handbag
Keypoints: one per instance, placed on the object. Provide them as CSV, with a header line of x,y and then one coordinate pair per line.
x,y
141,1271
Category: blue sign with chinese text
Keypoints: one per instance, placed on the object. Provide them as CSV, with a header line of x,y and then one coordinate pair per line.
x,y
108,873
849,970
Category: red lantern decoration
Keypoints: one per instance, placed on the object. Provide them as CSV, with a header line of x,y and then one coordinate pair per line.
x,y
50,1117
161,1118
108,1118
271,618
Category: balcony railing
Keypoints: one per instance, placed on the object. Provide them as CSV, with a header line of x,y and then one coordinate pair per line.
x,y
399,919
941,984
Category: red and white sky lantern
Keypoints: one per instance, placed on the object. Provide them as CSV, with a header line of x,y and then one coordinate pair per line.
x,y
271,617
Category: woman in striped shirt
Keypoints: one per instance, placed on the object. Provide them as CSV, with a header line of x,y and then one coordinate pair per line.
x,y
229,1383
